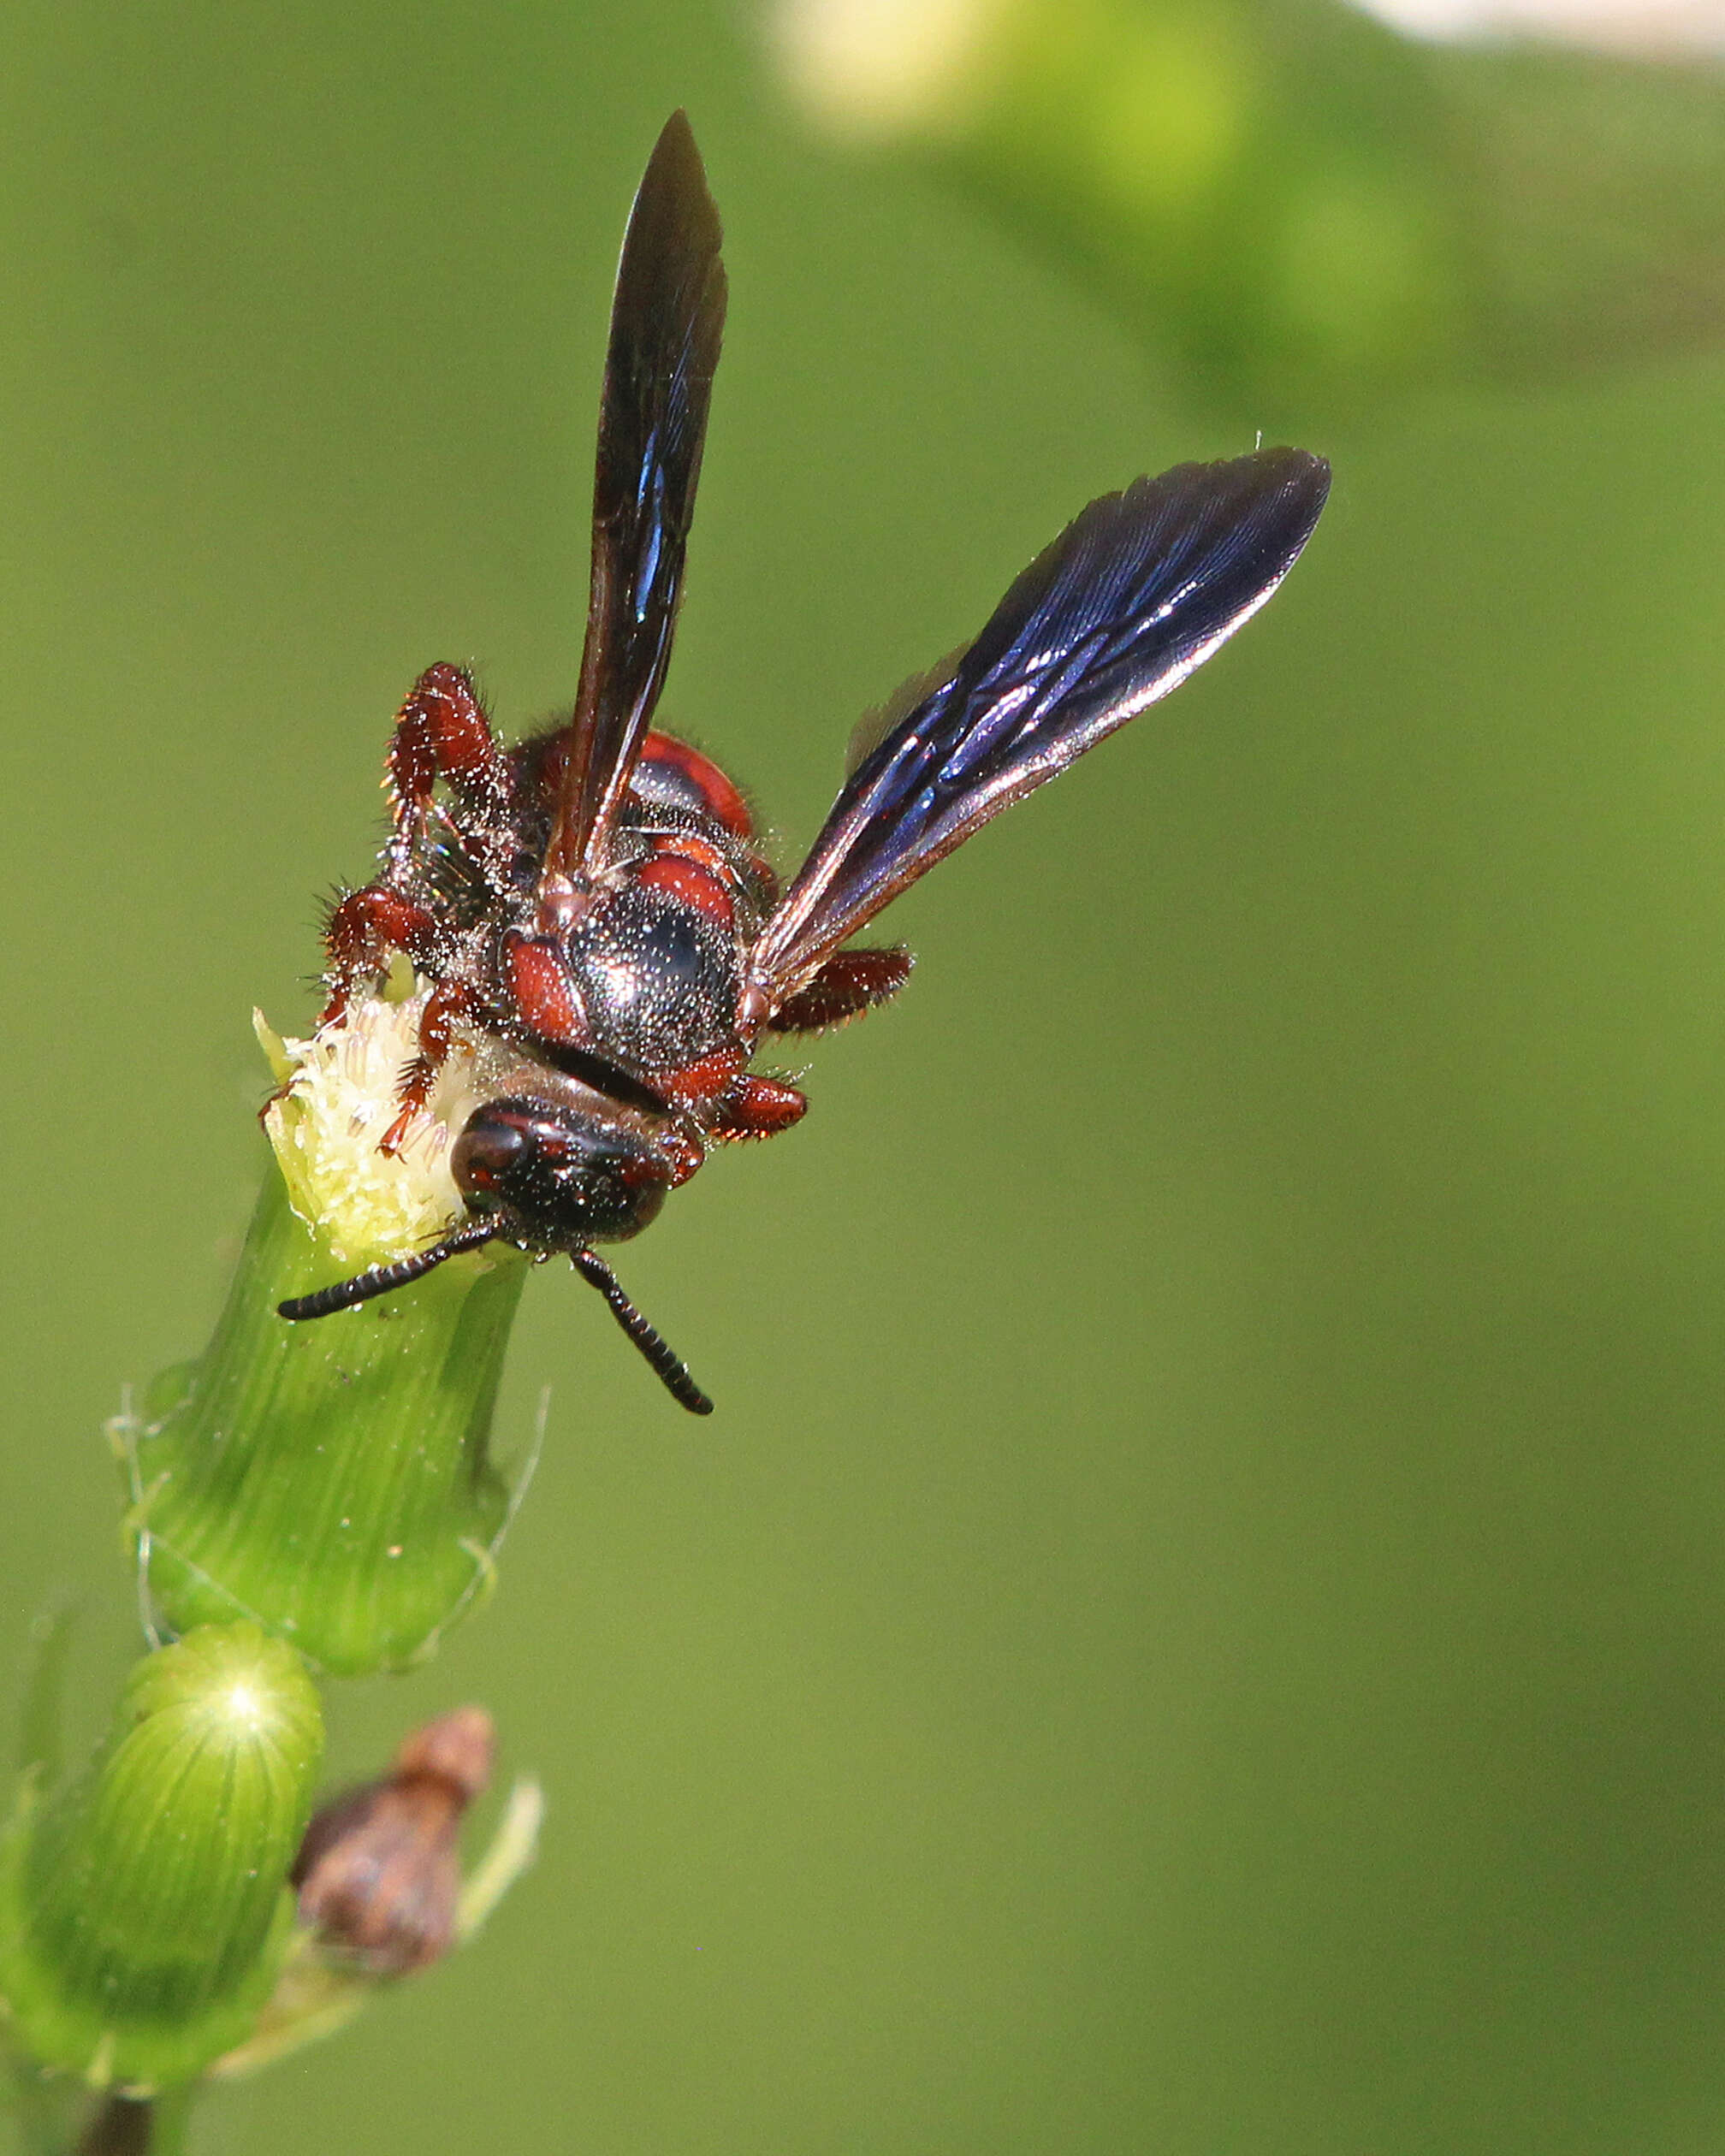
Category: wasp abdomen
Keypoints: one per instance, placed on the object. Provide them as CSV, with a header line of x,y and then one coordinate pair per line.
x,y
673,775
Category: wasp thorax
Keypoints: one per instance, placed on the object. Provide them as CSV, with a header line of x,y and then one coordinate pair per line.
x,y
657,978
561,1178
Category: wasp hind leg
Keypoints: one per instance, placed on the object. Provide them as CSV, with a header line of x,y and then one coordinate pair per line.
x,y
850,983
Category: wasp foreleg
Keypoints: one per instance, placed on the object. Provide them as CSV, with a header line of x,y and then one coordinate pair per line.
x,y
440,733
449,1000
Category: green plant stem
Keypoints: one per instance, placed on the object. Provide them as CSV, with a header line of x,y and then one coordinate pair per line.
x,y
119,2126
138,2126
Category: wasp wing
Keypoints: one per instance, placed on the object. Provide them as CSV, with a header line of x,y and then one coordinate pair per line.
x,y
666,320
1138,590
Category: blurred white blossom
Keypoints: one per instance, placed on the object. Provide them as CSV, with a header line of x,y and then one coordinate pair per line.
x,y
1651,28
873,67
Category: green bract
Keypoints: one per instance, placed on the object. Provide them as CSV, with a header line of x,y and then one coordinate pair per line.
x,y
144,1911
331,1479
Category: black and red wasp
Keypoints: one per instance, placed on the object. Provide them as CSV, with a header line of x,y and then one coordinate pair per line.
x,y
593,901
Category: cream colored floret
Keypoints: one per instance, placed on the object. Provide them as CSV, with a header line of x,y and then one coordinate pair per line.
x,y
340,1098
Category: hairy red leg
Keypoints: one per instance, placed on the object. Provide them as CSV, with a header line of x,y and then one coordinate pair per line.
x,y
698,1083
850,983
759,1108
536,975
363,931
684,1153
729,1102
449,1000
440,733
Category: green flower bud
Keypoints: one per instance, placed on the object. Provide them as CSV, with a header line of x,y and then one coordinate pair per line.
x,y
331,1479
381,1893
145,1911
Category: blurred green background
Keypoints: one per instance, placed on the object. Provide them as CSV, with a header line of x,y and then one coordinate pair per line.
x,y
1199,1623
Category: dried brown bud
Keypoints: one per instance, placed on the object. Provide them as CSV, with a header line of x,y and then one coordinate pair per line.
x,y
458,1748
378,1872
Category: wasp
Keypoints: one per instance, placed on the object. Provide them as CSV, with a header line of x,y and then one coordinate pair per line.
x,y
593,904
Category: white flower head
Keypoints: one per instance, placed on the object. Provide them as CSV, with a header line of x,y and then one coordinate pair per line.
x,y
338,1095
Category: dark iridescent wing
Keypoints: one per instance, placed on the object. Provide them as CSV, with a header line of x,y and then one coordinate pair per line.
x,y
666,320
1137,591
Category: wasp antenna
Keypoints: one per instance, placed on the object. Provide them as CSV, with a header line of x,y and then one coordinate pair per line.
x,y
671,1373
382,1280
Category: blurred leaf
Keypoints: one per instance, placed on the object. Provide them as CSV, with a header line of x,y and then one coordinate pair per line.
x,y
1299,207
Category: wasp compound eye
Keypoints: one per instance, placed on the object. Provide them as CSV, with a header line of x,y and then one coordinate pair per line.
x,y
485,1154
556,1175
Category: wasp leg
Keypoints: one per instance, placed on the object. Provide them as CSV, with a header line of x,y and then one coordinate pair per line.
x,y
441,733
697,1084
850,983
449,1000
726,1101
364,929
759,1108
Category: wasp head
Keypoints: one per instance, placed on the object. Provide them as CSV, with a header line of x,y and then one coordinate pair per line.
x,y
554,1177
